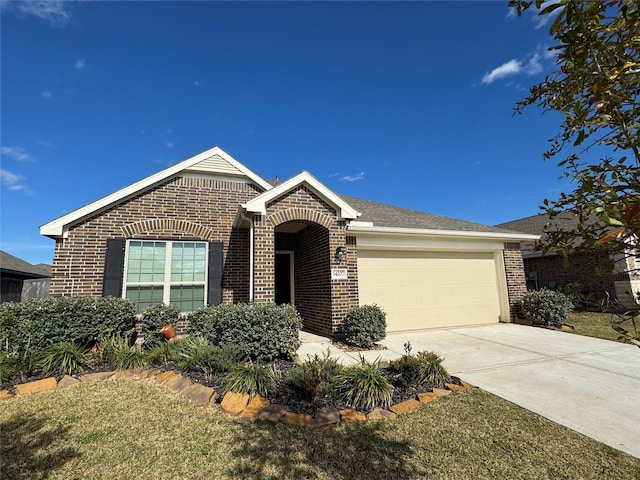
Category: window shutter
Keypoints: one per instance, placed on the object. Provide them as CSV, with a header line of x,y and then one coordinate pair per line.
x,y
113,268
214,281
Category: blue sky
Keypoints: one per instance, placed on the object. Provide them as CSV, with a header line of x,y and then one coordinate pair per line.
x,y
407,103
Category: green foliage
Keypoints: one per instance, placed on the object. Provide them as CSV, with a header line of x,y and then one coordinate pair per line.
x,y
8,366
198,355
261,331
153,319
546,307
29,328
316,376
122,355
252,378
365,325
364,386
166,352
421,368
64,358
595,87
574,291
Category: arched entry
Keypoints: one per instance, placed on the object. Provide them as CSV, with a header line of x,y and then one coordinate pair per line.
x,y
302,271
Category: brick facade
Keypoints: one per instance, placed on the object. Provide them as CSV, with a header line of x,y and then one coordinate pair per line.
x,y
514,271
179,209
591,270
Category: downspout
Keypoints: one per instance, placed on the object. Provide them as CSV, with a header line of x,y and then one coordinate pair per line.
x,y
251,255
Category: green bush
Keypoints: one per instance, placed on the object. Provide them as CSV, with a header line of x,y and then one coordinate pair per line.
x,y
421,368
262,331
546,307
316,376
198,355
123,355
28,328
364,386
252,379
64,358
365,325
153,319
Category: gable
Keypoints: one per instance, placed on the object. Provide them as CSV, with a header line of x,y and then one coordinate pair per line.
x,y
213,162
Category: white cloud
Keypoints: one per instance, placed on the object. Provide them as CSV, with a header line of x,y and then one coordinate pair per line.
x,y
169,144
11,180
197,83
56,12
353,178
46,95
17,153
512,67
80,65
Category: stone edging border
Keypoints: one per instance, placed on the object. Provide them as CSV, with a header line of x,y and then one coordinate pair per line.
x,y
256,409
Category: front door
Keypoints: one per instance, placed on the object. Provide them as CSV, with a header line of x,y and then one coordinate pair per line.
x,y
283,278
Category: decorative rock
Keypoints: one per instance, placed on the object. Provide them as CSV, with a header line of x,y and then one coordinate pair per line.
x,y
96,377
441,392
326,417
380,414
178,383
296,419
455,388
149,373
164,376
199,394
68,381
234,403
348,415
426,397
256,405
465,384
272,413
5,395
406,406
38,386
129,373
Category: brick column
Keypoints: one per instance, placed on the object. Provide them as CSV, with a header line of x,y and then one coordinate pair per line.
x,y
516,281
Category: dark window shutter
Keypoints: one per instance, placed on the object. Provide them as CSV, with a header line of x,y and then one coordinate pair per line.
x,y
113,268
214,280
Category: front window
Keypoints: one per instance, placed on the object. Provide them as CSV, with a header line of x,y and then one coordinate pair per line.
x,y
166,272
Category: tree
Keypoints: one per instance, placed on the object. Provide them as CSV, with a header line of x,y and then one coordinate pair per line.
x,y
596,89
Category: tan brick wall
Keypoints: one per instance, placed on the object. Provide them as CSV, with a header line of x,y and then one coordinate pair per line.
x,y
323,303
179,209
516,284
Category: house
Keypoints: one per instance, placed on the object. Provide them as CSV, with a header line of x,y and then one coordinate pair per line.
x,y
20,280
209,230
591,270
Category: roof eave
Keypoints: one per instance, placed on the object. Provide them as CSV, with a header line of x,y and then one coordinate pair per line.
x,y
514,237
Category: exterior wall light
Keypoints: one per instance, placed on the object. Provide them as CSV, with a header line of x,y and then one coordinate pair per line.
x,y
340,253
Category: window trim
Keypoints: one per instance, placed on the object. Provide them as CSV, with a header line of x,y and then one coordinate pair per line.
x,y
167,283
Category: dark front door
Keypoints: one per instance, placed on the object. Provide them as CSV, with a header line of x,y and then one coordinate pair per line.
x,y
283,278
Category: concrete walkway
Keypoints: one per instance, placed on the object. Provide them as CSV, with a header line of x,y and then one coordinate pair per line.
x,y
587,384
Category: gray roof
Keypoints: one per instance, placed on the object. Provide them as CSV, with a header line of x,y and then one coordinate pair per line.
x,y
539,224
383,215
9,263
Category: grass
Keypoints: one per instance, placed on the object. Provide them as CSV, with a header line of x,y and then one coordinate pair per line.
x,y
125,429
595,324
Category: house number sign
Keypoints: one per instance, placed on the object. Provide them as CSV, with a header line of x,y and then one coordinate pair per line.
x,y
339,274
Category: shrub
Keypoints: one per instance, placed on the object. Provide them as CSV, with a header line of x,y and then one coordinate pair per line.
x,y
364,326
153,319
123,355
421,368
575,292
8,366
64,358
315,376
198,355
546,307
262,331
167,352
364,386
251,378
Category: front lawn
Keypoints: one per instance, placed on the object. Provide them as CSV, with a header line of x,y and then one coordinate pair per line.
x,y
596,324
125,429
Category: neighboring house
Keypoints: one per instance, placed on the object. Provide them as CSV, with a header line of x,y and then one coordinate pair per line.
x,y
20,280
591,270
209,230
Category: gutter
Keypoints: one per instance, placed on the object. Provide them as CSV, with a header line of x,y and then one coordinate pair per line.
x,y
364,228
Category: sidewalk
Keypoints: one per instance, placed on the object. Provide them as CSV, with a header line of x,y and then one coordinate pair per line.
x,y
587,384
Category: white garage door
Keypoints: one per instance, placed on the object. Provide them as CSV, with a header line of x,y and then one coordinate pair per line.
x,y
430,289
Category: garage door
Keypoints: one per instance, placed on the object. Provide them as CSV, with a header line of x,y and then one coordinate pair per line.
x,y
430,289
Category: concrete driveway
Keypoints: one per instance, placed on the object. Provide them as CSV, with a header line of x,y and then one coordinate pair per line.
x,y
589,385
